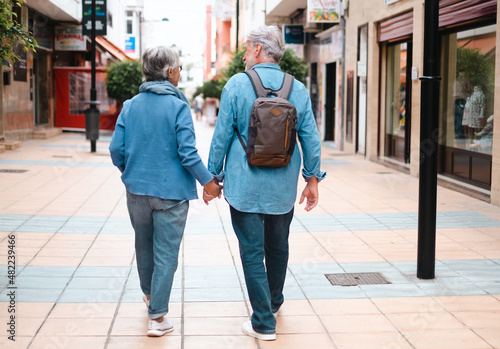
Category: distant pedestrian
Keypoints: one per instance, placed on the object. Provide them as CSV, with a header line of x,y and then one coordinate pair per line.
x,y
153,145
199,103
262,199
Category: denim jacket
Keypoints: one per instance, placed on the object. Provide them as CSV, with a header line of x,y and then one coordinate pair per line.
x,y
154,144
258,189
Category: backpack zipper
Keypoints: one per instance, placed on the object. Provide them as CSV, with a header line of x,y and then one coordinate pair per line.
x,y
286,131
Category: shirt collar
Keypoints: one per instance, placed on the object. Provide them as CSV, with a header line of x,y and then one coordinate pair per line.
x,y
267,65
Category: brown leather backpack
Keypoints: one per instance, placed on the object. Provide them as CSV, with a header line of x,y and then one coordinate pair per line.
x,y
272,130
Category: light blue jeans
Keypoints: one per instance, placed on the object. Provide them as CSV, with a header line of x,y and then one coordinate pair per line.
x,y
159,226
263,240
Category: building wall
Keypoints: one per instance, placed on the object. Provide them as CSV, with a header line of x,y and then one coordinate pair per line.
x,y
495,175
362,12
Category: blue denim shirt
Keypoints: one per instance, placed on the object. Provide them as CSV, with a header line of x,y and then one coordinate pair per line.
x,y
259,189
154,144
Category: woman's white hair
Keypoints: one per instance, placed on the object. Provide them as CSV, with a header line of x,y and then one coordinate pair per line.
x,y
156,62
270,39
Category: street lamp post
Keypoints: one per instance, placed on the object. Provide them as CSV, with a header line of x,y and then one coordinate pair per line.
x,y
429,127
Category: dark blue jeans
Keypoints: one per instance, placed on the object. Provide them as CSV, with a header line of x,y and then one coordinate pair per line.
x,y
263,241
159,227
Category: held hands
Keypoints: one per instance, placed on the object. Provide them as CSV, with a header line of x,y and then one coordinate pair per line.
x,y
311,193
211,190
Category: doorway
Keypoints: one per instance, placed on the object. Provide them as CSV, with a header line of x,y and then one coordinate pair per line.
x,y
40,88
330,101
398,102
362,89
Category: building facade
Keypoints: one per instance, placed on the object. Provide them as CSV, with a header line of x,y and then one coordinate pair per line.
x,y
29,100
383,63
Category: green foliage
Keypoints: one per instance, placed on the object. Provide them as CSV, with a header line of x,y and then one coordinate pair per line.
x,y
478,68
123,80
290,64
13,33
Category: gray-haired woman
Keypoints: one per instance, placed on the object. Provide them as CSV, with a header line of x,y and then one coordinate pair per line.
x,y
154,147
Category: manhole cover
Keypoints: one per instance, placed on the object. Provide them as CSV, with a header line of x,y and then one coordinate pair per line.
x,y
12,171
354,279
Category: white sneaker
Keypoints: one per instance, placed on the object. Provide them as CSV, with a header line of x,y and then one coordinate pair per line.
x,y
249,331
158,329
146,300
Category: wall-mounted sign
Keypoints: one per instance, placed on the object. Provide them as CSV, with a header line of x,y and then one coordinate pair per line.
x,y
130,44
69,38
326,11
294,34
100,17
20,66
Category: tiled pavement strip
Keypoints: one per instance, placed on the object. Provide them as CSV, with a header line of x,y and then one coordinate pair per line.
x,y
76,283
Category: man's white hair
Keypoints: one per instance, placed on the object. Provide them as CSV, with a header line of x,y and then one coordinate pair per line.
x,y
270,39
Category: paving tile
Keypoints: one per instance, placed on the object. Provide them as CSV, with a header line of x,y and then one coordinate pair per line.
x,y
75,327
142,342
215,326
214,309
450,339
392,339
220,342
372,323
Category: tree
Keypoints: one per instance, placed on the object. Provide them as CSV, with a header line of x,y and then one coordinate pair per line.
x,y
13,33
123,80
290,64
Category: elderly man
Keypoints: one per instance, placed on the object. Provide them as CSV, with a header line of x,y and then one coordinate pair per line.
x,y
262,199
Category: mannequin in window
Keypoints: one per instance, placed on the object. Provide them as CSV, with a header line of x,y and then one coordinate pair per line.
x,y
476,109
461,90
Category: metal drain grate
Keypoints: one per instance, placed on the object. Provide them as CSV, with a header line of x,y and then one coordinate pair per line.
x,y
12,171
62,156
354,279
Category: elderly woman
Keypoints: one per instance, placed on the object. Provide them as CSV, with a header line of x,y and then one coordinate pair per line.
x,y
154,147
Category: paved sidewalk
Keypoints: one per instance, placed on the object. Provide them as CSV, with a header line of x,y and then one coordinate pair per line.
x,y
76,285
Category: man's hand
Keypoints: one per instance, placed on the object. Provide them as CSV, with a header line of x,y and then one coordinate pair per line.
x,y
311,193
211,190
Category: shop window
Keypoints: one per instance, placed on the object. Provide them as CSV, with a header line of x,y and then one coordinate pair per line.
x,y
398,105
467,99
79,92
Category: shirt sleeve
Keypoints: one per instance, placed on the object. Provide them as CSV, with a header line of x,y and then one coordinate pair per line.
x,y
310,144
117,144
223,135
186,143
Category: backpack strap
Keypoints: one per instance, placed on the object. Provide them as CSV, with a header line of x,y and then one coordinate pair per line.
x,y
261,91
286,87
241,139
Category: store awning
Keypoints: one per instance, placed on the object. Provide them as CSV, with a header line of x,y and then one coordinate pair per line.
x,y
112,49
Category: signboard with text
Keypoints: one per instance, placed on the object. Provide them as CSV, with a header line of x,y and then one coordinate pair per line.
x,y
294,34
323,11
130,44
69,38
100,17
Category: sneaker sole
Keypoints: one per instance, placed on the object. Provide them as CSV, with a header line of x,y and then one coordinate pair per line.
x,y
159,333
261,336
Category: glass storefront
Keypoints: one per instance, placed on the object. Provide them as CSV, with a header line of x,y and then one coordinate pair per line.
x,y
397,110
466,108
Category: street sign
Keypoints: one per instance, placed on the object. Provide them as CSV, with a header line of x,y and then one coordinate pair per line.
x,y
100,17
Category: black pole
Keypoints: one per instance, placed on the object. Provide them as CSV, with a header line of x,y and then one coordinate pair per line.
x,y
429,126
93,91
237,22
